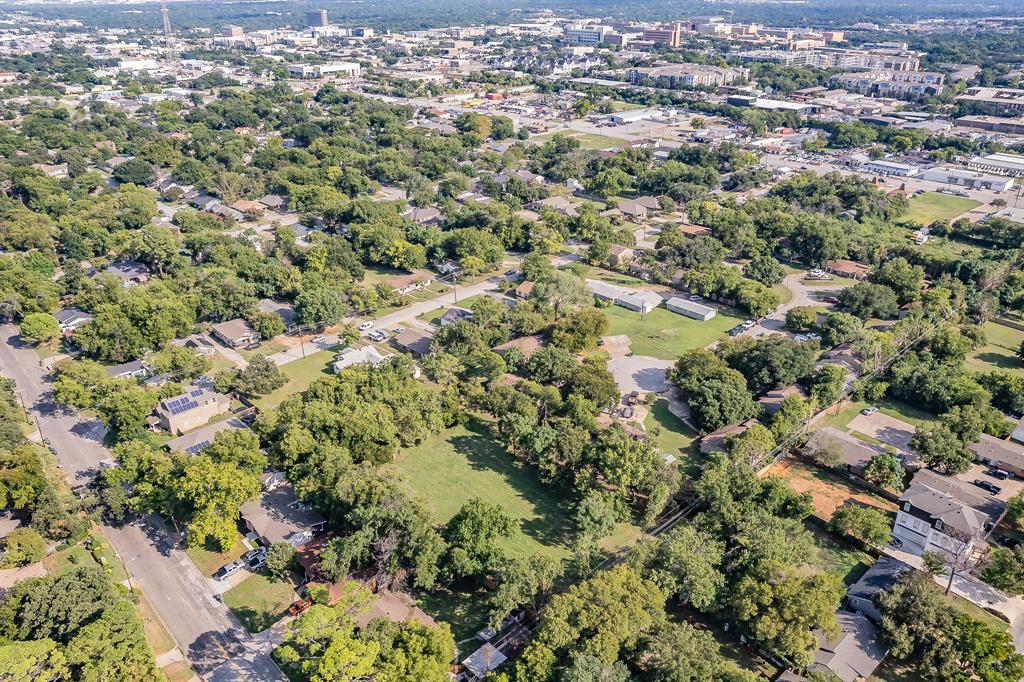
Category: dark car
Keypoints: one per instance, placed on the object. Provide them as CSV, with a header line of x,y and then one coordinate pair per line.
x,y
985,485
255,558
736,331
1007,541
830,299
998,473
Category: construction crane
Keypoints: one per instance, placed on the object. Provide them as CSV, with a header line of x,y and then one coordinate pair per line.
x,y
165,13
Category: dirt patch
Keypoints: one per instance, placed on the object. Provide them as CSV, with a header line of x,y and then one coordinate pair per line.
x,y
828,491
882,427
616,346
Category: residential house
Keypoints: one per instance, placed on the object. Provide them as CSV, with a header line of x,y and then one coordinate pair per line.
x,y
718,441
234,333
424,216
559,204
1001,454
278,516
414,281
617,253
247,206
196,441
286,311
70,319
274,202
527,345
129,272
691,309
453,315
191,409
940,514
633,210
852,655
851,451
415,342
524,290
882,575
847,268
136,369
367,355
772,401
844,356
201,345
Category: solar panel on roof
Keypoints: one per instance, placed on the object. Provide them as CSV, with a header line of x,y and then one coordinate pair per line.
x,y
193,449
197,392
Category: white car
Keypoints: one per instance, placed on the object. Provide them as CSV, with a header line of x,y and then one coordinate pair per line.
x,y
813,336
363,326
868,411
748,324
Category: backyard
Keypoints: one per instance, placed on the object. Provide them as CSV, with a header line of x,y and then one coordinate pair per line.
x,y
828,491
931,206
666,335
999,351
208,558
94,550
673,437
300,373
260,601
840,416
465,462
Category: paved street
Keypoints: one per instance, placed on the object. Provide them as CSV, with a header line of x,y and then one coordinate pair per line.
x,y
205,630
803,295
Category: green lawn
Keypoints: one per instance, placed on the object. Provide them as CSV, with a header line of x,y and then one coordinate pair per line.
x,y
300,373
609,276
465,462
836,557
931,206
259,602
999,351
975,611
156,634
208,559
666,335
268,348
674,437
625,106
893,408
590,141
375,274
94,550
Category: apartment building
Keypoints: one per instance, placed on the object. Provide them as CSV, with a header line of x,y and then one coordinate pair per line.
x,y
996,100
909,85
586,35
686,75
313,71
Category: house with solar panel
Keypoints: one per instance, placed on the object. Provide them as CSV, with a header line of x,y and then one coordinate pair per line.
x,y
194,442
191,410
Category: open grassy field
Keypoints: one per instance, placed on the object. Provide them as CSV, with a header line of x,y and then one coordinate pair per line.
x,y
465,462
999,351
931,206
625,106
82,554
674,437
590,141
666,335
840,418
609,276
300,373
260,601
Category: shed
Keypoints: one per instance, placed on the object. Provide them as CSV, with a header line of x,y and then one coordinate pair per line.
x,y
697,311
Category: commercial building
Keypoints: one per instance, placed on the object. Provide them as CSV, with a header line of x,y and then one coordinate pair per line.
x,y
1002,163
966,178
586,35
671,36
686,75
336,69
995,124
232,31
882,167
316,18
632,299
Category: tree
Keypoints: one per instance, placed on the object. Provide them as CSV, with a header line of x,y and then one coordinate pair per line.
x,y
39,328
941,449
840,328
826,384
579,329
885,470
136,171
260,377
318,305
801,318
113,647
603,615
772,361
123,407
267,325
867,524
906,280
56,607
472,536
587,668
686,564
214,493
764,269
39,659
523,581
680,652
1005,569
280,559
721,400
867,300
22,546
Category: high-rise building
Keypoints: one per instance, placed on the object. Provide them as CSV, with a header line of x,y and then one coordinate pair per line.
x,y
316,18
232,31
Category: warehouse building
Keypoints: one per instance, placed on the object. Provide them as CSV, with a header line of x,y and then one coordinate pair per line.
x,y
697,311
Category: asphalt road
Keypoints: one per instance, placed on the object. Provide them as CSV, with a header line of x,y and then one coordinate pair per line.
x,y
205,630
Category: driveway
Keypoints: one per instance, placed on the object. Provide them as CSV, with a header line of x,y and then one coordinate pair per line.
x,y
889,430
804,295
640,373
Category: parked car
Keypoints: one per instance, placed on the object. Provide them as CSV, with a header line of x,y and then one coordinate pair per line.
x,y
695,298
378,335
735,331
299,607
255,558
363,326
398,330
748,324
868,411
986,485
229,569
895,542
830,299
998,473
813,336
801,337
1007,541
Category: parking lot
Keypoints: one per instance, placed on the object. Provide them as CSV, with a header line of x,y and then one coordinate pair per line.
x,y
882,427
1008,488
